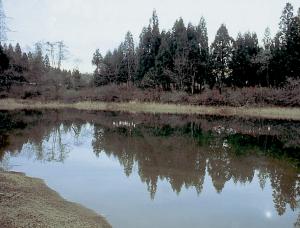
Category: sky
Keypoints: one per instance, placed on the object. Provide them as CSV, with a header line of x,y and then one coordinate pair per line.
x,y
85,25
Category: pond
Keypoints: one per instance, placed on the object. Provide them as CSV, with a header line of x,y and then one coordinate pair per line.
x,y
143,170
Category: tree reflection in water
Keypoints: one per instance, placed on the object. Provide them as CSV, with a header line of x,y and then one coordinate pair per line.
x,y
179,149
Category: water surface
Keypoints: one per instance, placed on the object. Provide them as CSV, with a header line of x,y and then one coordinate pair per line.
x,y
161,170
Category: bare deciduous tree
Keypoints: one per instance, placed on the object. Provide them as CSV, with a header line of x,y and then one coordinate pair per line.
x,y
62,52
3,25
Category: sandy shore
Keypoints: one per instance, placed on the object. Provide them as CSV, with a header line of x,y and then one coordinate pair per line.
x,y
28,202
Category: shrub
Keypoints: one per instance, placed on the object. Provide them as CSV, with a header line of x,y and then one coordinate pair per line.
x,y
254,96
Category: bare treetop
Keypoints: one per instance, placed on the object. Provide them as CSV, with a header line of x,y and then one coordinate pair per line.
x,y
3,25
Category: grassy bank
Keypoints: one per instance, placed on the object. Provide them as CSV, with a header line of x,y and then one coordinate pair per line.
x,y
28,202
135,107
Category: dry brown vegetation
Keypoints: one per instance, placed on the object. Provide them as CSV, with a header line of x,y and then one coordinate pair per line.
x,y
139,107
287,96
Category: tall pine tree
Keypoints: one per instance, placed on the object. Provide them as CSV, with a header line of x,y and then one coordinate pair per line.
x,y
221,56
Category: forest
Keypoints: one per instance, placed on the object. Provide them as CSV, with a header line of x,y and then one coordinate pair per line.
x,y
175,66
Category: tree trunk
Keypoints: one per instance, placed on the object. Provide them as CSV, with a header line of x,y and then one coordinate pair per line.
x,y
193,83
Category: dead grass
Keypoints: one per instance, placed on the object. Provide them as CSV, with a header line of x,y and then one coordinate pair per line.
x,y
136,107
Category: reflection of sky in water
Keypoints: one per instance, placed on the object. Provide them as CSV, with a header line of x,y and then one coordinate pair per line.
x,y
101,184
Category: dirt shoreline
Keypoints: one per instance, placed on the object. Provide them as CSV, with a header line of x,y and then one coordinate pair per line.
x,y
284,113
28,202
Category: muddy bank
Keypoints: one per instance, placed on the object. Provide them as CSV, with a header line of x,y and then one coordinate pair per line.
x,y
28,202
